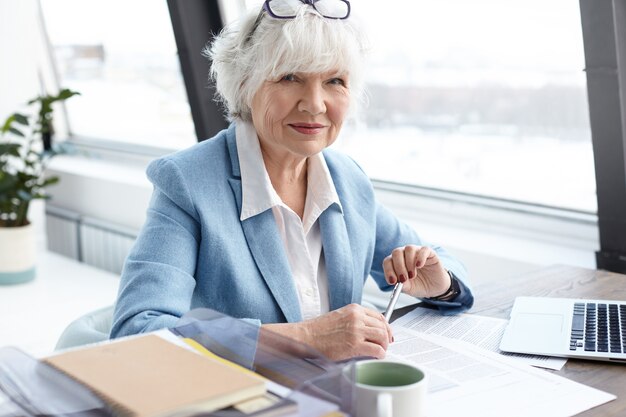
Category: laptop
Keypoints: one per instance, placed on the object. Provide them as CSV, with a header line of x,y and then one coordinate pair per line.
x,y
565,327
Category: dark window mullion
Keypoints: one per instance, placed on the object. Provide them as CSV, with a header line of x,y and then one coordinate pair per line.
x,y
604,30
195,22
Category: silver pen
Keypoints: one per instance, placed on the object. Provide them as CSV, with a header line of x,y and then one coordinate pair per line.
x,y
397,290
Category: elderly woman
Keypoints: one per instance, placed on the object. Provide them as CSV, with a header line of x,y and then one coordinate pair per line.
x,y
264,222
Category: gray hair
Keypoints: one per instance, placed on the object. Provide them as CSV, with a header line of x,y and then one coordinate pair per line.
x,y
259,48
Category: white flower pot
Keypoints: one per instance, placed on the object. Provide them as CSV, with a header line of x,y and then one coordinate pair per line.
x,y
17,254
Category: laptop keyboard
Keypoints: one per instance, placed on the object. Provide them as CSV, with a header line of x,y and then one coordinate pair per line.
x,y
599,327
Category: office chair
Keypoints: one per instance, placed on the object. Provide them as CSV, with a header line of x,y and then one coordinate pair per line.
x,y
93,327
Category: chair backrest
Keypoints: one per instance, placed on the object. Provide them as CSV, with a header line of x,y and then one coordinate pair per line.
x,y
93,327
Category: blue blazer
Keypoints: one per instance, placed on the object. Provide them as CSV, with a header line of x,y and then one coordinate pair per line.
x,y
193,250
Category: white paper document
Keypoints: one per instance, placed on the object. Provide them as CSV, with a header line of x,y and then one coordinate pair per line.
x,y
465,380
481,331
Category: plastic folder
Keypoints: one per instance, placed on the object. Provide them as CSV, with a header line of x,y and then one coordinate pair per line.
x,y
33,388
283,360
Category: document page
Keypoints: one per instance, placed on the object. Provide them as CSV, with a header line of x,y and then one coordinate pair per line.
x,y
465,380
481,331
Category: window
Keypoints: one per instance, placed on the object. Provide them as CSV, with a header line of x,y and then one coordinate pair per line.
x,y
485,97
121,56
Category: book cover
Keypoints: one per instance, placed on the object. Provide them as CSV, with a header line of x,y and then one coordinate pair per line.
x,y
147,376
269,405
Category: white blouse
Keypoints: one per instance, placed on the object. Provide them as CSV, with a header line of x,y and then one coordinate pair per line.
x,y
302,238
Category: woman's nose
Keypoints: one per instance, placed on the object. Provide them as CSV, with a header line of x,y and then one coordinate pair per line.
x,y
313,99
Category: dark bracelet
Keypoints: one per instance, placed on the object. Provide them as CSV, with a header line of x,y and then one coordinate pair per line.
x,y
451,292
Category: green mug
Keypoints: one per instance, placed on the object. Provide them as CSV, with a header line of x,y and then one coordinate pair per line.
x,y
386,388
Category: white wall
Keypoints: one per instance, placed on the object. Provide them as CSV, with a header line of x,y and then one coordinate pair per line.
x,y
18,66
24,70
104,190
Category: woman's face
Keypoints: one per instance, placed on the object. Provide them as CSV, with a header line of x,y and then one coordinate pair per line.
x,y
300,114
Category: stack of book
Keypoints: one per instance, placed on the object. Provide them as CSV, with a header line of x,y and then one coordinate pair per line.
x,y
148,376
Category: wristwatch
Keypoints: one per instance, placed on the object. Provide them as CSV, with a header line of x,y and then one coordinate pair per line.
x,y
451,292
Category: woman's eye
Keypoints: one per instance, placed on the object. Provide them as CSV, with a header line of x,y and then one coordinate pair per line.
x,y
288,77
337,81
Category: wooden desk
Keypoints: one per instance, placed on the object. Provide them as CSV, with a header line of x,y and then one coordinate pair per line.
x,y
495,299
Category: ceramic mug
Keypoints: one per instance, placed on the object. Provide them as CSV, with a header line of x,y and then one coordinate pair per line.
x,y
386,388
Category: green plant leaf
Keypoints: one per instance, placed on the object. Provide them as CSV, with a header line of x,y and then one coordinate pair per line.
x,y
12,149
65,94
25,177
7,181
21,163
21,119
15,131
7,123
49,181
35,100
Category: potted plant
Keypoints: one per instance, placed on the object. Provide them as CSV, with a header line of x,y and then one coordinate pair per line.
x,y
25,149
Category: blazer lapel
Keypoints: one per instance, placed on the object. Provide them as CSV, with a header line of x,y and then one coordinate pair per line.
x,y
266,247
338,258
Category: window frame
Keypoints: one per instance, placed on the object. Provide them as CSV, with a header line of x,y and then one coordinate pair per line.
x,y
200,94
604,37
192,21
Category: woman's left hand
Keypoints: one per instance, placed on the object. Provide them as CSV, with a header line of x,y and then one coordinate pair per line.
x,y
419,269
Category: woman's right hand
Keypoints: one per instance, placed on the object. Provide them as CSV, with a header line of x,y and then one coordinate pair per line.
x,y
344,333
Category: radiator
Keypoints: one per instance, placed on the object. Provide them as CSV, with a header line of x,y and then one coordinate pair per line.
x,y
95,242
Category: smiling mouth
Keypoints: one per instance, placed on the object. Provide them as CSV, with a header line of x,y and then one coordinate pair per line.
x,y
307,128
